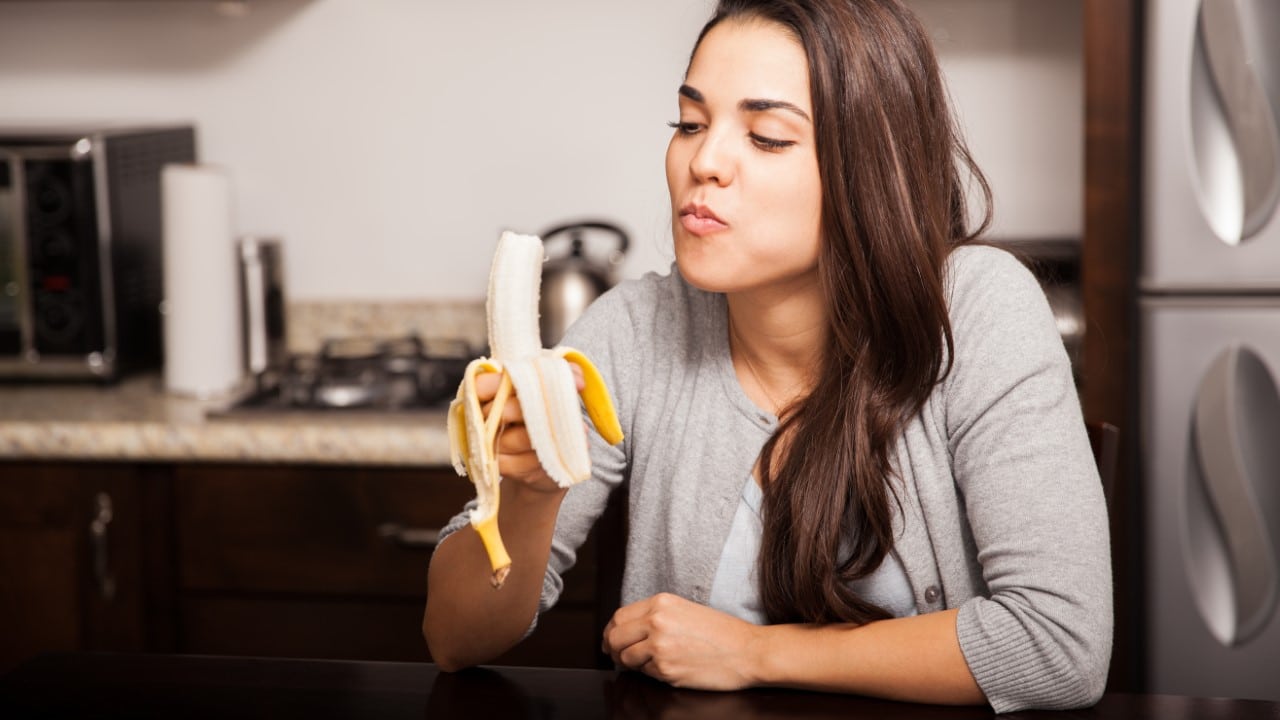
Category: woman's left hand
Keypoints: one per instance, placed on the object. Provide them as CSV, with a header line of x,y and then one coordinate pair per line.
x,y
683,643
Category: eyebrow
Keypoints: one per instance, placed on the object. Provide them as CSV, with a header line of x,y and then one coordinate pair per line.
x,y
749,104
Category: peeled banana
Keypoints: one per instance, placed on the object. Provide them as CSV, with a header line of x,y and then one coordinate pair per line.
x,y
545,385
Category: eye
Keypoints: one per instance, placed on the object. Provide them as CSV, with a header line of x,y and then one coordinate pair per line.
x,y
685,128
766,143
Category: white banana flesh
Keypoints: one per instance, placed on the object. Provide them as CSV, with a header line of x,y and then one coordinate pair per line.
x,y
543,381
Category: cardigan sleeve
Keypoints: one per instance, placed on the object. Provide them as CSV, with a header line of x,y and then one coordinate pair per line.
x,y
1041,636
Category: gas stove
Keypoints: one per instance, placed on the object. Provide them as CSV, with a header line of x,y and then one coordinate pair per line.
x,y
360,375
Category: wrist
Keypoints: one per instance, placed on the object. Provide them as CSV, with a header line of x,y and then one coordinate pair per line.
x,y
758,668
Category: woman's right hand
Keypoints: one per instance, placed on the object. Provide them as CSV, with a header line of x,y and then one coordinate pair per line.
x,y
467,623
517,459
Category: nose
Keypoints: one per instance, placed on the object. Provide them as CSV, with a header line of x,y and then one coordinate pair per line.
x,y
712,161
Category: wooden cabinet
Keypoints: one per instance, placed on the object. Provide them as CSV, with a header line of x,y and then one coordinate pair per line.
x,y
317,562
323,562
71,561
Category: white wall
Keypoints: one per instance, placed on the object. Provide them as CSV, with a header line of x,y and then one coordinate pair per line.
x,y
388,141
1016,71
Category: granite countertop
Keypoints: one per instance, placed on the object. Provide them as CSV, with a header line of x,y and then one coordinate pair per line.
x,y
136,420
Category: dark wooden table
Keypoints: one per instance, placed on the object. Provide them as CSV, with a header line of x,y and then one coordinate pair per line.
x,y
104,685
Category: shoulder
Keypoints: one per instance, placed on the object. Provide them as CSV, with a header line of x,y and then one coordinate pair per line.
x,y
989,291
982,273
642,305
1003,329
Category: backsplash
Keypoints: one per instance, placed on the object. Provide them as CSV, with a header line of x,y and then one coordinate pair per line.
x,y
310,323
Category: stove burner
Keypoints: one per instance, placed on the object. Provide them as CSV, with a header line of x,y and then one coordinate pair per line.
x,y
398,374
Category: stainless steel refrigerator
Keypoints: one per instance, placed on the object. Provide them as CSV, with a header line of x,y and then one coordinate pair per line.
x,y
1210,316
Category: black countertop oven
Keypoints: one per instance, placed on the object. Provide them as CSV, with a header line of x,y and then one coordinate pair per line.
x,y
80,248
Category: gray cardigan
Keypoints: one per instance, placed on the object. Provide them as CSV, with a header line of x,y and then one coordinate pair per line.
x,y
1002,510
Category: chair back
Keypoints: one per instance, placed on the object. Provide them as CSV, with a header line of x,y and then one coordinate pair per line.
x,y
1105,439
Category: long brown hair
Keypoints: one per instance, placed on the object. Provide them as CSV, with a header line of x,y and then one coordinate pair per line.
x,y
890,159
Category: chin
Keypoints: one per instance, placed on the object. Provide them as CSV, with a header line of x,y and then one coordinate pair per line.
x,y
712,263
706,277
697,267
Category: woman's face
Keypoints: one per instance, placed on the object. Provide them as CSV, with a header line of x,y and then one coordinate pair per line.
x,y
742,169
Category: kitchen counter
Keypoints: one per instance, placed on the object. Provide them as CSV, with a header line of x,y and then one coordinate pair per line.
x,y
137,421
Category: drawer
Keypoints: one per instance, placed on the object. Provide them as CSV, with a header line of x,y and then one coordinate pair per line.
x,y
309,530
317,530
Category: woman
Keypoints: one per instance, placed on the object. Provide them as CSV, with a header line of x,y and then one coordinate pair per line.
x,y
855,459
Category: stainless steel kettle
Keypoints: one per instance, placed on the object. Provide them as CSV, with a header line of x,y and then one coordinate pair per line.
x,y
576,272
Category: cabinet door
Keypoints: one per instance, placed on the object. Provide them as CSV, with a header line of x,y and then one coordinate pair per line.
x,y
70,570
332,563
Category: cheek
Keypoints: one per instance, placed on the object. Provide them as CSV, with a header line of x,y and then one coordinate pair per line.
x,y
673,166
797,203
812,204
810,207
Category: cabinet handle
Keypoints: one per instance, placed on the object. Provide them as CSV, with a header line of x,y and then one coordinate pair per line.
x,y
98,530
409,538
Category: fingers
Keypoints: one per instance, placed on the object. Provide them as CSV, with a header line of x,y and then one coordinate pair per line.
x,y
511,411
487,386
636,656
520,465
629,626
487,383
626,644
516,455
517,459
514,440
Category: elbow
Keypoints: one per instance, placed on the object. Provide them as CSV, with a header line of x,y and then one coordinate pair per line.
x,y
439,651
1093,681
1095,691
1082,680
1084,690
449,664
1094,666
1075,690
1066,672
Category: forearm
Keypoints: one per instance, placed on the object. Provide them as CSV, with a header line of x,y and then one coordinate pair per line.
x,y
467,621
914,659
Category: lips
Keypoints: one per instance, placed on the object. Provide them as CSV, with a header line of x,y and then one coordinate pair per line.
x,y
700,220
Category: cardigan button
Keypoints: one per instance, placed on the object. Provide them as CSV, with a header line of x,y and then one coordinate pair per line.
x,y
931,594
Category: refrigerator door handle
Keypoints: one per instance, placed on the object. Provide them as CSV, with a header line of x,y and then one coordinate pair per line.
x,y
1234,64
1236,405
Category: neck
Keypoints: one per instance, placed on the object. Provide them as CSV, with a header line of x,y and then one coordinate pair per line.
x,y
776,342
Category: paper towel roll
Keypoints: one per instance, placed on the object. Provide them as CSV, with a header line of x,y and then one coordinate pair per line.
x,y
202,310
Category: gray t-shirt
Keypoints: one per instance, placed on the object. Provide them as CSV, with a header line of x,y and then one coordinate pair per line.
x,y
1001,514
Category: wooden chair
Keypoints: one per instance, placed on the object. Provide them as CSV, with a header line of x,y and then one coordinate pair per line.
x,y
1105,439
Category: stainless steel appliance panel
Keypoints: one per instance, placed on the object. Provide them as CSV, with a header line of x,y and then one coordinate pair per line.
x,y
1212,159
1212,478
